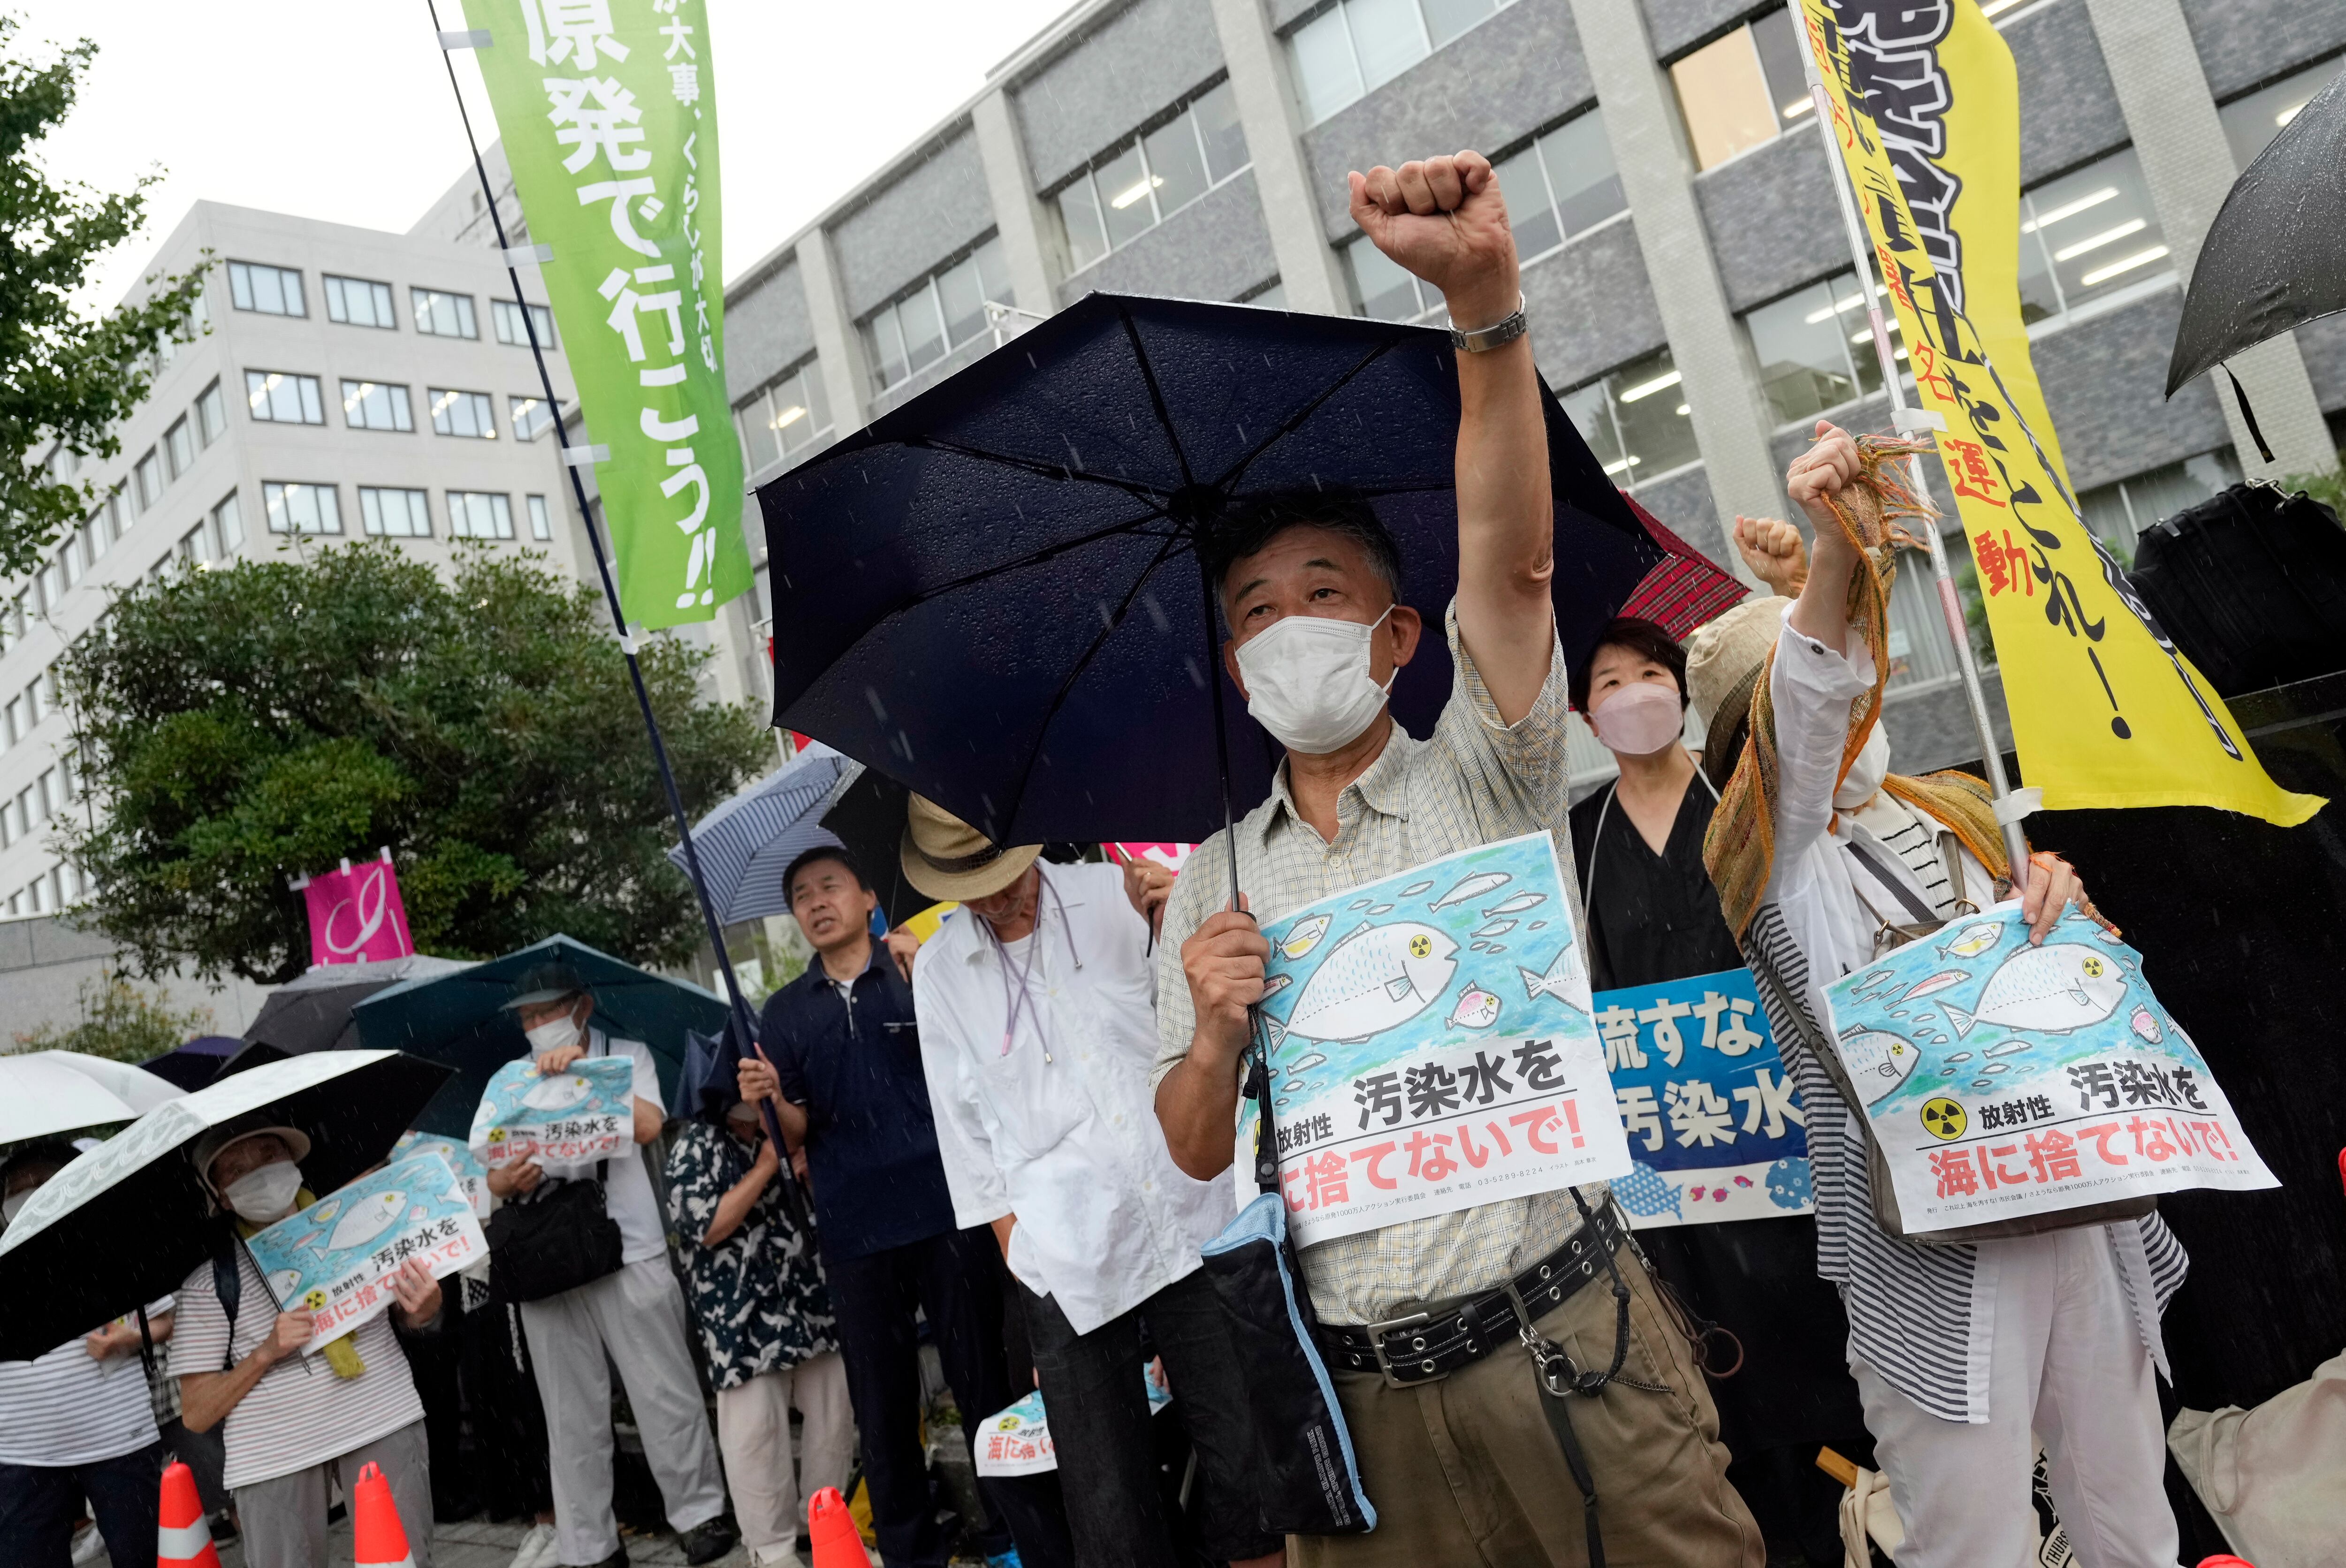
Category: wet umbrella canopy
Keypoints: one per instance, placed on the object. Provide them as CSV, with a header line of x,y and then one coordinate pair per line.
x,y
748,841
312,1012
132,1219
44,1093
992,594
2276,254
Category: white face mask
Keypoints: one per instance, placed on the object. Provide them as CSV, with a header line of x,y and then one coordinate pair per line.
x,y
15,1202
552,1036
267,1194
1640,720
1308,682
1866,773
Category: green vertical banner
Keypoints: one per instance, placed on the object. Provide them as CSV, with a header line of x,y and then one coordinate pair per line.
x,y
609,113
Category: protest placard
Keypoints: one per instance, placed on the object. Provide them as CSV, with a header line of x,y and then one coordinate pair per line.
x,y
2004,1080
1430,1045
1716,1129
470,1173
335,1259
1017,1440
584,1112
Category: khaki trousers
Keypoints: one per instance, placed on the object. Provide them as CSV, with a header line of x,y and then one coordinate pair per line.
x,y
1466,1473
754,1434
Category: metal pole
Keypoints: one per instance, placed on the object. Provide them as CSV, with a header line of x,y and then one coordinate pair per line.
x,y
738,1006
1908,421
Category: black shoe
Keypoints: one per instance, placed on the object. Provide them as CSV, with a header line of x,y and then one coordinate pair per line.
x,y
707,1542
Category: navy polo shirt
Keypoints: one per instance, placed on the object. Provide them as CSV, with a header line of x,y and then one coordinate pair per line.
x,y
855,1063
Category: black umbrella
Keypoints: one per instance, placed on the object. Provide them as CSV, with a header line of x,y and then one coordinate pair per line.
x,y
2276,254
991,593
312,1012
130,1220
869,818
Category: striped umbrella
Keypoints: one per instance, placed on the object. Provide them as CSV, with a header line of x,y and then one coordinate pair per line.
x,y
747,843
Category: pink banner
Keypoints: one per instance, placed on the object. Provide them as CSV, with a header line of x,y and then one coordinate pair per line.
x,y
356,915
1172,856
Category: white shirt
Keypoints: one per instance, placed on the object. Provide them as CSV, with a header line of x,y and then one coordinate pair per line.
x,y
628,1195
65,1408
1061,1128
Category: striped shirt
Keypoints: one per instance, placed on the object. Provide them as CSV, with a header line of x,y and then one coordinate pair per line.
x,y
1474,781
300,1413
1915,1313
66,1408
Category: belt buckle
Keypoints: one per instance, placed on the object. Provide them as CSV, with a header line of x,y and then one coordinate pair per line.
x,y
1377,1332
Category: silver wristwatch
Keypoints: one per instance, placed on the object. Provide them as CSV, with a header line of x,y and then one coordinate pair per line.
x,y
1482,339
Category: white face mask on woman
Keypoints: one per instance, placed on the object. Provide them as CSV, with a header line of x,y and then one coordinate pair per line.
x,y
1866,773
1308,681
1639,718
267,1194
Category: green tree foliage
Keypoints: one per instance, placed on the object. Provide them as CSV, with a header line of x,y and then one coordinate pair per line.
x,y
122,1021
65,377
245,726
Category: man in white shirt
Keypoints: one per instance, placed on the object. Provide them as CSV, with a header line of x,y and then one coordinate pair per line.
x,y
76,1423
635,1316
1037,1031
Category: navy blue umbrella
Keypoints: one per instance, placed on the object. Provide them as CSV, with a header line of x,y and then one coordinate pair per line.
x,y
992,594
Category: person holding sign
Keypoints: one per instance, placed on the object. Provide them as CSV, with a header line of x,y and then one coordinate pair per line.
x,y
1310,586
1821,856
292,1419
1652,917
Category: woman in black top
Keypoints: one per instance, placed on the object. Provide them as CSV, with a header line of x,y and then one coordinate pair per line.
x,y
1653,917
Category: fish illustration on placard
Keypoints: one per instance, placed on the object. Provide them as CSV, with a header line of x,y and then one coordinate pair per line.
x,y
1477,1009
1494,928
558,1093
2144,1024
2048,990
1971,941
1515,905
1306,935
1644,1191
1877,1061
1415,889
1558,982
1470,888
281,1283
1380,908
1375,978
367,1218
1939,981
1275,984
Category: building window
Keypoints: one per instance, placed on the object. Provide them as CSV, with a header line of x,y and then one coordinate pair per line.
x,y
95,536
1160,170
1356,47
301,508
284,397
227,523
784,418
36,705
478,514
1815,349
375,405
151,479
179,445
1635,419
444,315
211,415
2087,234
1741,90
467,413
946,310
2251,122
395,513
2120,513
271,290
505,317
69,559
1561,185
196,547
531,417
541,521
359,303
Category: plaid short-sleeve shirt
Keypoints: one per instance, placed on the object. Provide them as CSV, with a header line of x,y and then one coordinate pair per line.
x,y
1473,780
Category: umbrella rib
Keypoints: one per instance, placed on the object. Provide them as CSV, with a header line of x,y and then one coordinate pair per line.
x,y
1131,526
1288,426
1156,395
1035,466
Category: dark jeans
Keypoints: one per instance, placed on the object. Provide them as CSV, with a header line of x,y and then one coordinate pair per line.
x,y
1099,1418
40,1505
956,1279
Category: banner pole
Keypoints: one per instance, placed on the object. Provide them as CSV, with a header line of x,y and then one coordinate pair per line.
x,y
736,1006
1910,421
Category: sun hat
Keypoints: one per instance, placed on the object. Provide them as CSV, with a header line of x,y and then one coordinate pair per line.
x,y
1724,658
948,860
207,1150
543,982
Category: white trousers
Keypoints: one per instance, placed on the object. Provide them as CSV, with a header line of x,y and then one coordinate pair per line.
x,y
753,1429
636,1317
2066,1365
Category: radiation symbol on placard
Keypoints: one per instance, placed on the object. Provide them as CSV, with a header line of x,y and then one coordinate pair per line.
x,y
1009,1422
496,1134
314,1299
1944,1118
1419,946
2092,965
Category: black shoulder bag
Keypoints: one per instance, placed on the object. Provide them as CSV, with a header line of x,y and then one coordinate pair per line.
x,y
552,1240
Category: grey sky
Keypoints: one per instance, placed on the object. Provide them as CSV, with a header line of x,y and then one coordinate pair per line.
x,y
339,109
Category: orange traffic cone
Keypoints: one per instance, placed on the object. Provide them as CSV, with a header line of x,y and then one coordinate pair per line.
x,y
831,1533
184,1538
376,1539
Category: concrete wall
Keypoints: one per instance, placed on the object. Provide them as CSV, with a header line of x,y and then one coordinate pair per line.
x,y
1748,206
1216,247
1123,68
936,206
767,329
45,963
1591,305
2241,43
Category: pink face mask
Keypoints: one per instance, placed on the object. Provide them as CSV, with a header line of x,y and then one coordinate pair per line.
x,y
1640,720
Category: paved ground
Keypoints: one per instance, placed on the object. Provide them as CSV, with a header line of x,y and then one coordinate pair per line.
x,y
477,1544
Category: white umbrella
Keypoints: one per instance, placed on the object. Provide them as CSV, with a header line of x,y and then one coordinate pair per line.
x,y
44,1093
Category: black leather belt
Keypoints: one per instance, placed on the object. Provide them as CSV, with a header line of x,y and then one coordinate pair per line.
x,y
1421,1348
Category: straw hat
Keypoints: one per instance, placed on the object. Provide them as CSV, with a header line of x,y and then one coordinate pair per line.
x,y
950,860
1724,658
209,1148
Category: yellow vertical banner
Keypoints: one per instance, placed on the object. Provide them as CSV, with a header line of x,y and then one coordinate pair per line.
x,y
2105,711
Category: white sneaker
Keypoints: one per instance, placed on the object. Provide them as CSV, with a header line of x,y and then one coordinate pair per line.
x,y
89,1547
537,1548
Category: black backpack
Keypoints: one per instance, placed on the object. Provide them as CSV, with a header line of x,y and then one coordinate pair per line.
x,y
2250,584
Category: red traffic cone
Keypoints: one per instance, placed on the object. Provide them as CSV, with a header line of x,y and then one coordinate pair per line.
x,y
376,1539
2226,1560
183,1538
831,1533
